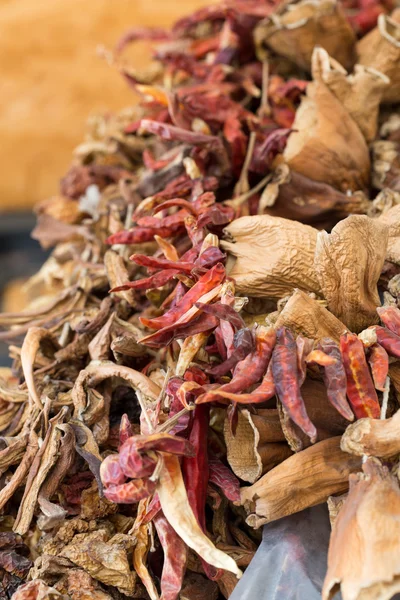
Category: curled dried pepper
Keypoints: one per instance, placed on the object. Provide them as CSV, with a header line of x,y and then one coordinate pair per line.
x,y
248,371
265,391
223,477
154,281
360,387
205,284
388,340
243,344
390,317
287,383
131,492
153,262
138,235
223,312
175,556
379,362
199,324
329,357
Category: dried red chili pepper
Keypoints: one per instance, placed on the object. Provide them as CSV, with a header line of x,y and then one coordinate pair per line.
x,y
243,342
390,317
163,337
189,206
223,477
125,429
138,235
360,387
161,263
388,340
131,492
205,284
379,362
175,556
223,312
287,383
111,472
209,258
154,281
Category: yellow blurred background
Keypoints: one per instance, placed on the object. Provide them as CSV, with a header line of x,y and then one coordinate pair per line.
x,y
52,79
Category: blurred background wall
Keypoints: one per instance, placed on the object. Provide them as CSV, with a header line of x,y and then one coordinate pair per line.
x,y
51,80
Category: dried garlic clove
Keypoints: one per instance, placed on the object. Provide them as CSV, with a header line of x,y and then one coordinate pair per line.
x,y
386,165
364,551
373,437
380,49
306,316
360,92
391,219
301,198
273,256
326,144
349,285
303,25
258,444
314,474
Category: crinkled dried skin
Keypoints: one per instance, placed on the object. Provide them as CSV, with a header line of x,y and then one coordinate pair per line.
x,y
273,256
95,507
37,590
99,347
306,316
350,286
360,93
373,437
298,28
49,231
364,556
314,474
80,586
380,49
43,462
326,144
386,170
117,275
13,453
104,561
257,444
335,504
22,470
60,208
48,567
391,219
55,541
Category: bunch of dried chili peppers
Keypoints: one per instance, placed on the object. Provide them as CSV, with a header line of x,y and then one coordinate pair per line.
x,y
221,302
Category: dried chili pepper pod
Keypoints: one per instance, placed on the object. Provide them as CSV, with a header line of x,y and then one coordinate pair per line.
x,y
131,492
360,387
390,317
111,472
388,340
379,362
287,382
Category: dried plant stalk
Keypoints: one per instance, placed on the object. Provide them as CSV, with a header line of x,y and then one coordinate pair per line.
x,y
301,26
258,444
360,93
373,437
380,49
273,256
350,286
364,552
306,316
327,144
314,474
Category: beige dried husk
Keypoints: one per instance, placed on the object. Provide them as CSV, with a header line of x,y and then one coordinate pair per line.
x,y
258,444
326,144
364,549
273,256
373,437
306,316
360,92
391,218
386,164
303,480
349,262
380,49
303,25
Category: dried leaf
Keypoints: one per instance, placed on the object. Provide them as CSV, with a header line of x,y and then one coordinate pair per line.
x,y
117,275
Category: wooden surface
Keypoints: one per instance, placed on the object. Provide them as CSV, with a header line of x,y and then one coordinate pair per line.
x,y
51,80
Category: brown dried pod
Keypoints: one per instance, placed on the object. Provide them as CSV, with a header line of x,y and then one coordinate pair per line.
x,y
273,256
364,552
380,49
386,164
314,474
258,444
349,284
373,437
306,316
360,92
301,26
391,218
326,144
295,196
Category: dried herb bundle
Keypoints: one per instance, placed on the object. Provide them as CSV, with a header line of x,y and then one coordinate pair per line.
x,y
220,303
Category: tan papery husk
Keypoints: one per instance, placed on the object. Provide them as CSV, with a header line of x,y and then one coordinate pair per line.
x,y
273,256
364,552
373,437
326,143
303,25
380,49
257,445
386,165
306,316
303,480
391,218
360,92
348,262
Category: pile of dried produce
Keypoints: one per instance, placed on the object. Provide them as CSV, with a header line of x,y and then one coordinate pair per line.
x,y
197,343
